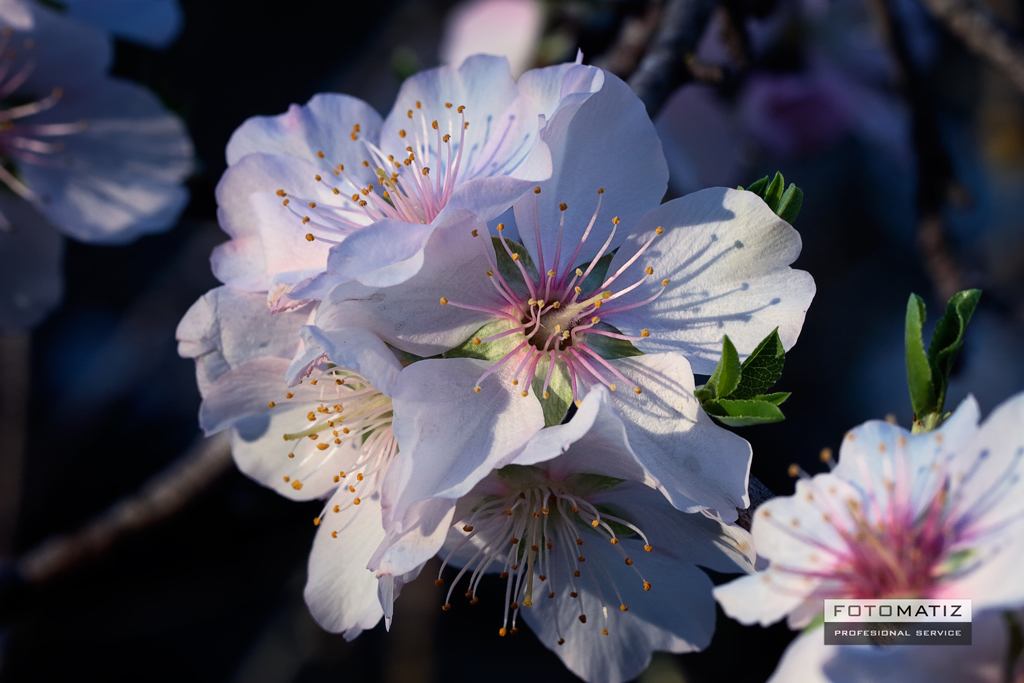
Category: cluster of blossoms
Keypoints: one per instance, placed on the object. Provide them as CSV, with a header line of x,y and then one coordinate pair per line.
x,y
471,329
82,154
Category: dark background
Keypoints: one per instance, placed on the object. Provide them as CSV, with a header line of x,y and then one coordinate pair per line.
x,y
215,593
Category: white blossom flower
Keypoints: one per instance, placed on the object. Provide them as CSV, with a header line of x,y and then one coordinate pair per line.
x,y
324,433
508,28
331,187
98,158
548,317
600,566
933,515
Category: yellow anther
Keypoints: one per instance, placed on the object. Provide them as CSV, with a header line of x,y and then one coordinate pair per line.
x,y
563,206
825,455
271,404
648,548
443,301
611,387
356,501
637,390
297,485
409,113
433,124
649,270
604,631
794,470
645,332
490,273
309,237
476,341
281,193
334,534
577,290
419,105
353,135
595,523
366,163
515,257
595,320
476,389
425,171
579,273
664,283
312,205
501,226
285,202
335,190
401,133
305,219
320,154
546,395
629,562
316,521
446,137
524,393
475,233
551,273
536,190
322,446
615,221
289,395
461,108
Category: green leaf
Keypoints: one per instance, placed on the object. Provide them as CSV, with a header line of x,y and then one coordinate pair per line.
x,y
789,206
762,368
587,484
948,338
556,405
777,398
919,370
597,276
744,413
493,350
726,377
757,187
704,393
773,193
817,622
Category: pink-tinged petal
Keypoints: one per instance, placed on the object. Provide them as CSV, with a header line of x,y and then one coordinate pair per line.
x,y
153,23
227,327
676,615
31,277
352,349
505,28
597,141
341,592
122,175
753,600
410,315
726,258
696,464
324,125
450,436
268,237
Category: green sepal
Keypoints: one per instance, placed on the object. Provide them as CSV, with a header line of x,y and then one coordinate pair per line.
x,y
586,484
786,205
743,413
919,370
597,276
727,374
762,368
777,398
492,350
509,270
757,187
790,204
817,622
773,193
556,405
610,347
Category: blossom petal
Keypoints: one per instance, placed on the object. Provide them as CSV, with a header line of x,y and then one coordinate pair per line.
x,y
122,175
383,254
447,446
597,141
803,660
697,464
262,455
726,257
153,23
749,600
31,254
324,124
341,592
267,237
227,327
352,349
67,54
248,390
683,623
509,28
410,315
420,539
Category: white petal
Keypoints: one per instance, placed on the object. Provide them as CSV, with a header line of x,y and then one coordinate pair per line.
x,y
727,256
425,528
753,600
696,463
449,436
247,390
383,254
341,592
67,54
351,349
324,124
596,141
676,615
803,660
410,315
153,23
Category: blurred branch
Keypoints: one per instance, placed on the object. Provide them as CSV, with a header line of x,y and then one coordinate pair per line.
x,y
983,33
163,495
936,181
15,354
665,67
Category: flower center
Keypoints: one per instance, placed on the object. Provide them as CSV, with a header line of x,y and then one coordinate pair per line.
x,y
536,535
559,312
350,412
414,186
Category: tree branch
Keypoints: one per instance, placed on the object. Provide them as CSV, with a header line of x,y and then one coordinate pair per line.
x,y
164,494
983,33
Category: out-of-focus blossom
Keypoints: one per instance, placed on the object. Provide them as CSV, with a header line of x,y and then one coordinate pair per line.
x,y
97,157
549,317
331,187
507,28
31,279
153,23
332,406
600,566
934,515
